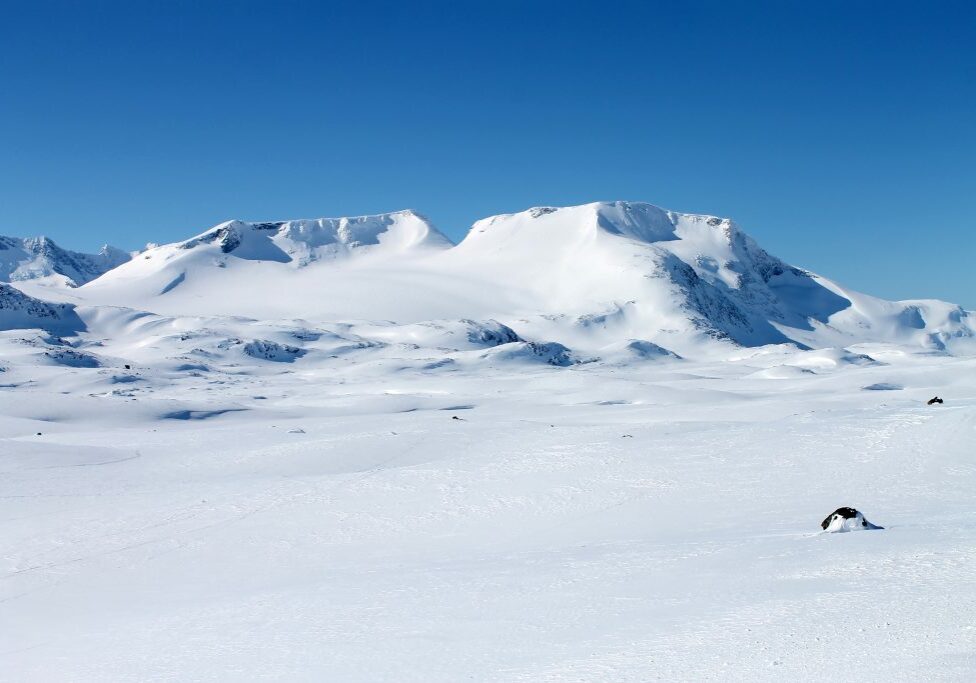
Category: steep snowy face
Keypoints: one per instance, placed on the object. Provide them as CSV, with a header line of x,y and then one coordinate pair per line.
x,y
644,271
39,257
20,311
737,269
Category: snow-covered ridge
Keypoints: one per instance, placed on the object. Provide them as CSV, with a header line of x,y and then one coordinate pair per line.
x,y
39,257
237,255
636,220
597,278
304,241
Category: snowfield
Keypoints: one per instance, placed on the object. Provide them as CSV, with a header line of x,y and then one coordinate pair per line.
x,y
586,444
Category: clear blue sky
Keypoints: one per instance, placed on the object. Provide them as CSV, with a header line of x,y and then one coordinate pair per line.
x,y
842,135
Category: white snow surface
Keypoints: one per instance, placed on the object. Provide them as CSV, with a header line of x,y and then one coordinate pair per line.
x,y
592,443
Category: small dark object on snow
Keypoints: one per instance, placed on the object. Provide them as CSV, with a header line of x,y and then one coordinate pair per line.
x,y
934,400
848,513
627,436
455,417
127,366
38,433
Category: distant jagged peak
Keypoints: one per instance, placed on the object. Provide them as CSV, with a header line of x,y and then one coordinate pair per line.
x,y
31,258
107,251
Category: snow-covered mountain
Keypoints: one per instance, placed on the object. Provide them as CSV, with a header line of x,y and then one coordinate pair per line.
x,y
272,269
39,257
632,270
598,278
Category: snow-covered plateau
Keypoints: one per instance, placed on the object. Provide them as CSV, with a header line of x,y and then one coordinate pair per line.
x,y
592,443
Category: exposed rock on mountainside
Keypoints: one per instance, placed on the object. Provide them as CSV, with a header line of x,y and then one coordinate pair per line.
x,y
19,311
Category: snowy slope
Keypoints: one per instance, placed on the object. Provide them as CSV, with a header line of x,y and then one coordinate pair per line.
x,y
39,257
228,516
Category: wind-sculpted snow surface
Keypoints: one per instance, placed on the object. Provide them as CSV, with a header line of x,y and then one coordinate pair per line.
x,y
442,502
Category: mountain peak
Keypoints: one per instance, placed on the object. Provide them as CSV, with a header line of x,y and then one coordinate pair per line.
x,y
583,223
31,258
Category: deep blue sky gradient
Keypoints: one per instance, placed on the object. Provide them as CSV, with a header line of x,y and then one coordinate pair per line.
x,y
841,135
